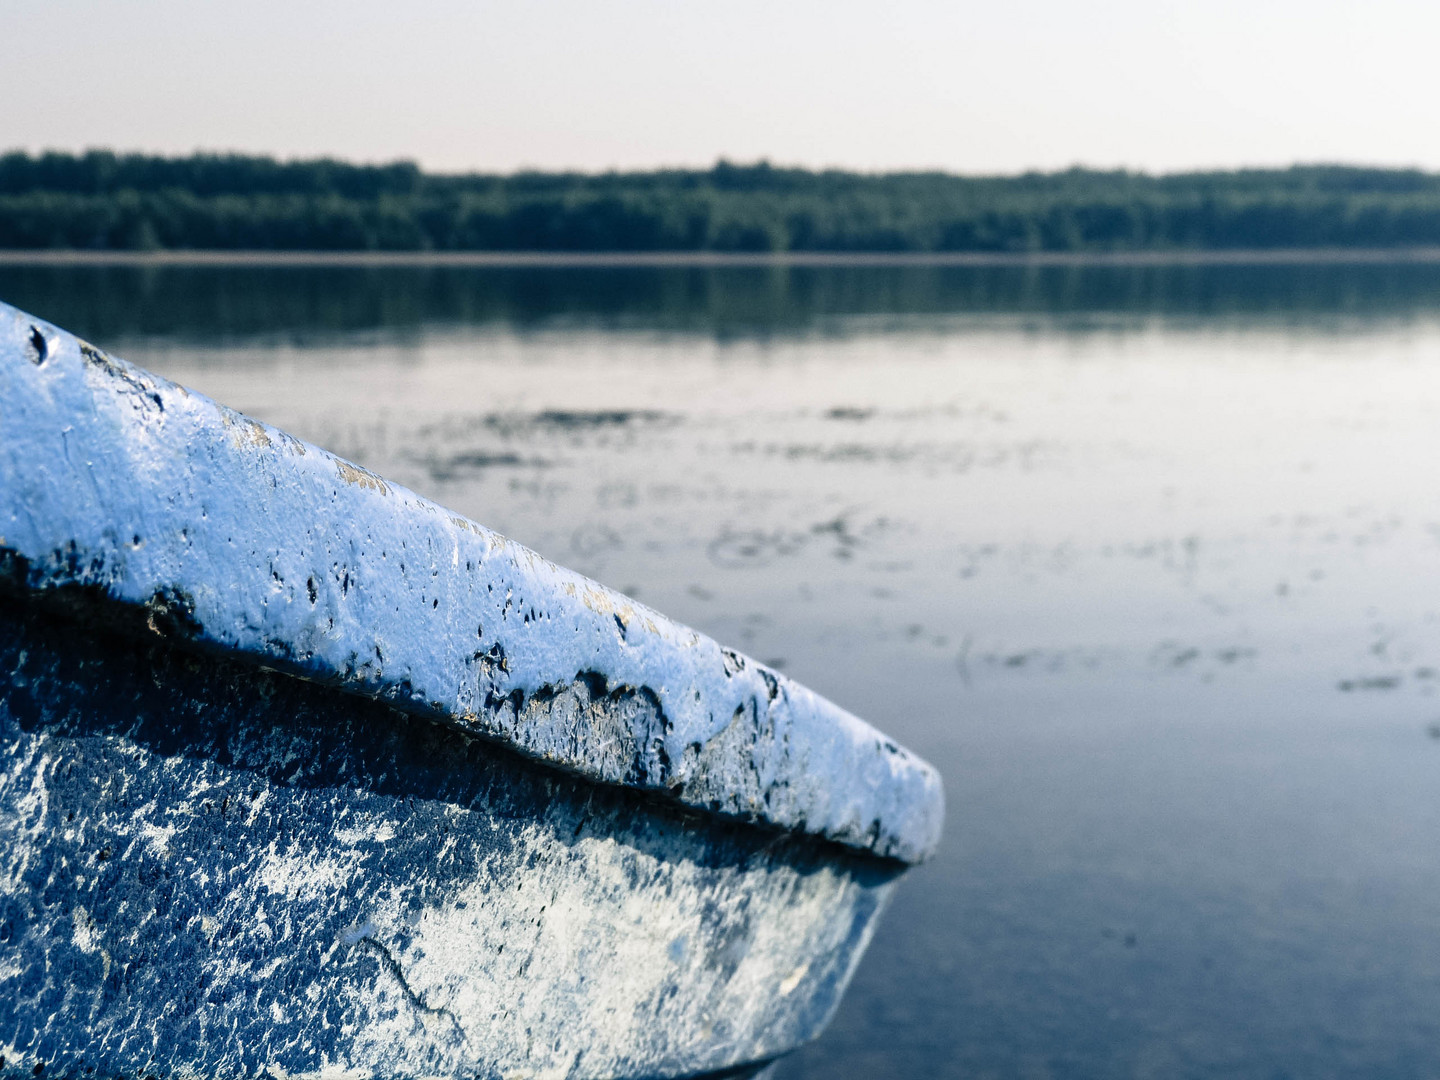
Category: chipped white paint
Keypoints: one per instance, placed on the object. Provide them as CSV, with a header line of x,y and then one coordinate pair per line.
x,y
242,539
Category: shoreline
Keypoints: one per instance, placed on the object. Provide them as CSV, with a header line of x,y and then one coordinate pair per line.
x,y
715,259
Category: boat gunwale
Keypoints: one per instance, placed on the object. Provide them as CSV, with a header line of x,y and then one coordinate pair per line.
x,y
218,528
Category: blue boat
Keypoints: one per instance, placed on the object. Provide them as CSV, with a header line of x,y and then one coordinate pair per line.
x,y
306,776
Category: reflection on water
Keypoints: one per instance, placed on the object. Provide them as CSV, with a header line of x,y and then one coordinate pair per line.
x,y
211,302
1141,559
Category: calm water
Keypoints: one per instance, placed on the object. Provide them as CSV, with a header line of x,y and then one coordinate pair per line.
x,y
1147,562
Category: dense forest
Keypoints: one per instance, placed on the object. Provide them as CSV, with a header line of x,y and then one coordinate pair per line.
x,y
100,200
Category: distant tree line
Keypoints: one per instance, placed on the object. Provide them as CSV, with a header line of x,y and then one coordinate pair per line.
x,y
101,200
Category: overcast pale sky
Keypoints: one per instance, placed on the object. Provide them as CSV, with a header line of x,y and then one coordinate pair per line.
x,y
970,87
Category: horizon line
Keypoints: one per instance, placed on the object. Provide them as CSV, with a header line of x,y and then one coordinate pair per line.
x,y
720,160
1424,255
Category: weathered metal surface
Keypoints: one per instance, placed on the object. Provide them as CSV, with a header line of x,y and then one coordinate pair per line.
x,y
206,869
542,832
244,539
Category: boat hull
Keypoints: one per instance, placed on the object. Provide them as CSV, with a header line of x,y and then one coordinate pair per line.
x,y
211,868
304,775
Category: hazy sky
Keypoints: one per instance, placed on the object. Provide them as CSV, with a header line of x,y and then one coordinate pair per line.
x,y
971,87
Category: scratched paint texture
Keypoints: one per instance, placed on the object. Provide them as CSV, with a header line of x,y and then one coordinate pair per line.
x,y
246,541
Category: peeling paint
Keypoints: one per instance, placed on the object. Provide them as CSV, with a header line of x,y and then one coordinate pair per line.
x,y
255,552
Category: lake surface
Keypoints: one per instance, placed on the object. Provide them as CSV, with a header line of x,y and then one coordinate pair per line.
x,y
1145,560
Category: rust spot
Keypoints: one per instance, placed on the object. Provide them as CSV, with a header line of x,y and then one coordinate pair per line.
x,y
244,431
598,602
605,603
462,523
354,474
170,613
